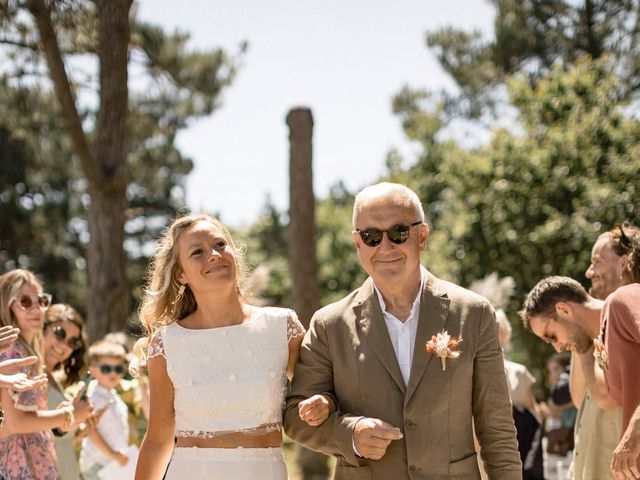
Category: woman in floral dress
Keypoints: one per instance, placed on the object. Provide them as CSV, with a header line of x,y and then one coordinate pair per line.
x,y
26,447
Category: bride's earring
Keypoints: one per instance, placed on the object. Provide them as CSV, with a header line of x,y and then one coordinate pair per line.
x,y
179,295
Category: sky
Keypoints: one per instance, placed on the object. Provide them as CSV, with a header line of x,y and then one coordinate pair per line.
x,y
342,59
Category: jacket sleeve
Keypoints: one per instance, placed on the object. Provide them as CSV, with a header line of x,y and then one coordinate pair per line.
x,y
314,374
492,413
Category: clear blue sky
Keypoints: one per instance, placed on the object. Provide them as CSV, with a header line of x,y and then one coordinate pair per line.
x,y
343,59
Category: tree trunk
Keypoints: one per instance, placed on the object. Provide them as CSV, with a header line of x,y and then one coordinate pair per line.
x,y
104,166
305,291
108,286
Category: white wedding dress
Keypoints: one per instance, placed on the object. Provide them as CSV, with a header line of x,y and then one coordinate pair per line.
x,y
225,380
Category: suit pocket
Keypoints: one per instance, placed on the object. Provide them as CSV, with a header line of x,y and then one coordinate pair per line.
x,y
344,472
465,468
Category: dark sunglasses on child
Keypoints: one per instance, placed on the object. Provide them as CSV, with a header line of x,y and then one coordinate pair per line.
x,y
397,234
106,369
61,334
42,300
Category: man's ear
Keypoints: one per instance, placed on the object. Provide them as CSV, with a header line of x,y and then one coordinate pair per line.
x,y
564,311
424,235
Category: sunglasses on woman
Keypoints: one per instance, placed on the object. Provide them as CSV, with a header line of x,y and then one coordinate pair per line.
x,y
106,369
397,234
42,301
60,333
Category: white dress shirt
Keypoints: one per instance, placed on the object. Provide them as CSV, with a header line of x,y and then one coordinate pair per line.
x,y
403,334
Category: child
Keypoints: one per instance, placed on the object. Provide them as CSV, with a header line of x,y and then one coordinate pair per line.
x,y
109,440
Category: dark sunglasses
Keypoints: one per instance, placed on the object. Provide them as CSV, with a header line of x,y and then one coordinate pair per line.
x,y
106,369
60,333
397,234
42,301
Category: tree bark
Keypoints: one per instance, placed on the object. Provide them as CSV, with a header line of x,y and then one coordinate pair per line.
x,y
305,290
105,166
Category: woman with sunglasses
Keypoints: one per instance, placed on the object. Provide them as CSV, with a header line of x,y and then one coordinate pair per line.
x,y
64,356
26,446
217,365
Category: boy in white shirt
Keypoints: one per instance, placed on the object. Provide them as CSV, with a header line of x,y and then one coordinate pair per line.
x,y
109,440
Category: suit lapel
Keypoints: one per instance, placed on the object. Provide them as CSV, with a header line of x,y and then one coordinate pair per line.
x,y
434,309
374,330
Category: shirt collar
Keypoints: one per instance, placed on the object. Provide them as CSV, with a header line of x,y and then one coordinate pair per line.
x,y
416,301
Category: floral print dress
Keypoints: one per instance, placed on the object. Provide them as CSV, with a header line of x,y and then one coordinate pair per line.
x,y
27,456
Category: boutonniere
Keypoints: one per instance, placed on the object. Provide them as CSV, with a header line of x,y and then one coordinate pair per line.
x,y
600,354
443,346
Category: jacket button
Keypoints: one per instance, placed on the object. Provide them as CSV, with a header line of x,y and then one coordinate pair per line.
x,y
413,468
409,424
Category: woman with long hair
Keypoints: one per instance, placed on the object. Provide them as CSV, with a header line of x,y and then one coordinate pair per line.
x,y
65,346
26,447
217,365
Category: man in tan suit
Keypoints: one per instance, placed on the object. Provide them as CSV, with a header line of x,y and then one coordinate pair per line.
x,y
401,413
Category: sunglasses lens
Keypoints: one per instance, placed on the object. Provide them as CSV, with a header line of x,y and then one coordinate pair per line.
x,y
398,233
59,333
44,300
371,236
106,369
26,302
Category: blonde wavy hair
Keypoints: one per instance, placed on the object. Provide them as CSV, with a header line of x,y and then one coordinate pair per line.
x,y
10,285
160,303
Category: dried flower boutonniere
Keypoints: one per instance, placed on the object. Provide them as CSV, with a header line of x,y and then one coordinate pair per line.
x,y
600,354
443,346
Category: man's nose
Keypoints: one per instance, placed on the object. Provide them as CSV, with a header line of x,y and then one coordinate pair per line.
x,y
589,272
385,243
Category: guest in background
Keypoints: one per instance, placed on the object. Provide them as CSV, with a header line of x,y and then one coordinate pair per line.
x,y
64,355
109,440
26,449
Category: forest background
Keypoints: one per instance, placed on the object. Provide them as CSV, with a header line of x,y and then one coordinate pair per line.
x,y
87,186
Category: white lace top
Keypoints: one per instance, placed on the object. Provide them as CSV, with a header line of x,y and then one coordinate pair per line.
x,y
229,379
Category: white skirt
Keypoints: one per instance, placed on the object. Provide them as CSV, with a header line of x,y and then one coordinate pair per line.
x,y
227,463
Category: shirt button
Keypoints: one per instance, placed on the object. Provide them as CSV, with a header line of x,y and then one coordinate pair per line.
x,y
248,352
191,383
223,333
232,378
272,374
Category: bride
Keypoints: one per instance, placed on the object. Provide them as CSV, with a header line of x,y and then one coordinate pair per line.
x,y
217,366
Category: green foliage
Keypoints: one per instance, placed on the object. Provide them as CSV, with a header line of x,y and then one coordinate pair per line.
x,y
43,196
532,36
531,204
339,268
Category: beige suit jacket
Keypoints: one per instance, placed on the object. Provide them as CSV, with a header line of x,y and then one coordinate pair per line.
x,y
347,351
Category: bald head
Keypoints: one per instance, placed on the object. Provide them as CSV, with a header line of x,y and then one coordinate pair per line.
x,y
393,193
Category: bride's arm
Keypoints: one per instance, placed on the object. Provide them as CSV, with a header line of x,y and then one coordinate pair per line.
x,y
157,445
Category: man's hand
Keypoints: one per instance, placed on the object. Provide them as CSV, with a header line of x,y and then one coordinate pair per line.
x,y
625,457
372,436
315,410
